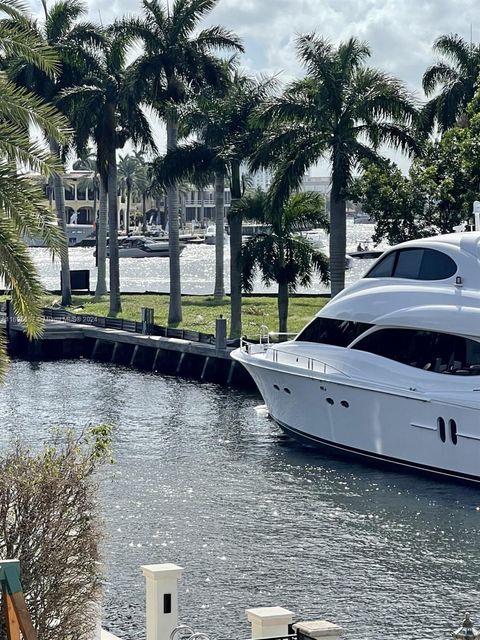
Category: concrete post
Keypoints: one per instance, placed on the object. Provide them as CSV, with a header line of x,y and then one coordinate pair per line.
x,y
318,629
161,583
268,622
220,333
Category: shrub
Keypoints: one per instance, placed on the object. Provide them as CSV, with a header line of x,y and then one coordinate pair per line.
x,y
49,520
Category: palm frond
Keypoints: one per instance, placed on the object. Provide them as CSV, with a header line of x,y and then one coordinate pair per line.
x,y
26,109
439,73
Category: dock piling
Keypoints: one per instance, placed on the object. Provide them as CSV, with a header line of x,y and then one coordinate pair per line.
x,y
220,333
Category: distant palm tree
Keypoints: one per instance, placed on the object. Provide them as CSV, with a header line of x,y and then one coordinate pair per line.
x,y
283,255
105,108
457,79
23,211
70,40
142,182
127,166
177,63
342,110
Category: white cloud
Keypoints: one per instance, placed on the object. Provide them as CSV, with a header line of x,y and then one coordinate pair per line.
x,y
400,32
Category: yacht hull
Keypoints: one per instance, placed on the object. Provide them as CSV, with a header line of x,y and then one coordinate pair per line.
x,y
355,418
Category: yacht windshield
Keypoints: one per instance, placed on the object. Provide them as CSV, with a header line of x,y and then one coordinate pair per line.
x,y
414,264
339,333
429,350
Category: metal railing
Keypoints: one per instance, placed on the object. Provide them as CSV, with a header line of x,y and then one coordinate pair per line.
x,y
272,352
132,326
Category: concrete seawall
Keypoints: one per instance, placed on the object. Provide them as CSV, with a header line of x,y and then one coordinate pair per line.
x,y
165,355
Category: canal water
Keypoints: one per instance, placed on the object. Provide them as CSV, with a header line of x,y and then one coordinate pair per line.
x,y
203,481
197,263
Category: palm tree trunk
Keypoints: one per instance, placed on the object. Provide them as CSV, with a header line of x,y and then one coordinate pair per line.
x,y
235,256
144,213
101,289
94,201
175,305
59,191
219,290
127,221
202,208
115,301
338,242
282,307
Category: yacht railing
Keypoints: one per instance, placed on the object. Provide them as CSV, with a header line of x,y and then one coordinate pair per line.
x,y
280,356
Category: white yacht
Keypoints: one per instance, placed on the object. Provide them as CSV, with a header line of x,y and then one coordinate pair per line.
x,y
141,247
77,235
389,369
211,235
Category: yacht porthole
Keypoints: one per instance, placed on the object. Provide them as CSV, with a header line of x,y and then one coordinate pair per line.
x,y
287,390
345,404
276,387
441,429
453,431
330,401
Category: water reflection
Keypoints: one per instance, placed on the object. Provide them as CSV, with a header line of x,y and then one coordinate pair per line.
x,y
255,518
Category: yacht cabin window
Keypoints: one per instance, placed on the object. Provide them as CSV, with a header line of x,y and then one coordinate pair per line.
x,y
429,350
339,333
414,264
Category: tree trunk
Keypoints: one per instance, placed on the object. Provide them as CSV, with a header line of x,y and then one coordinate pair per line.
x,y
115,301
235,257
282,307
101,289
219,291
338,243
144,213
202,208
175,305
127,221
59,191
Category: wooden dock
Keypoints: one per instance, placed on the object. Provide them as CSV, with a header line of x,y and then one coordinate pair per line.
x,y
165,355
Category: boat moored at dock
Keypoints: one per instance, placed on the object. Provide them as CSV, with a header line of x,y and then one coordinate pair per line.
x,y
390,368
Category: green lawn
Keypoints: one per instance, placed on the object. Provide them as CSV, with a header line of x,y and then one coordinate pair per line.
x,y
200,312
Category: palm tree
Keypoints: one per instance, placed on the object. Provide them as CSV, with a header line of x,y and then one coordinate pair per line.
x,y
177,62
22,207
70,40
105,108
342,110
142,182
284,255
227,138
127,166
457,79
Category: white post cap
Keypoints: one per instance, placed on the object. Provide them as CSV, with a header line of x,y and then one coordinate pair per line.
x,y
162,571
269,621
319,629
269,615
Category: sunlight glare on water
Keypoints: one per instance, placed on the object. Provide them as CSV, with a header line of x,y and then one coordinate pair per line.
x,y
203,480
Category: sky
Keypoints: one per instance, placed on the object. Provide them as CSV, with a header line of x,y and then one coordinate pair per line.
x,y
400,32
